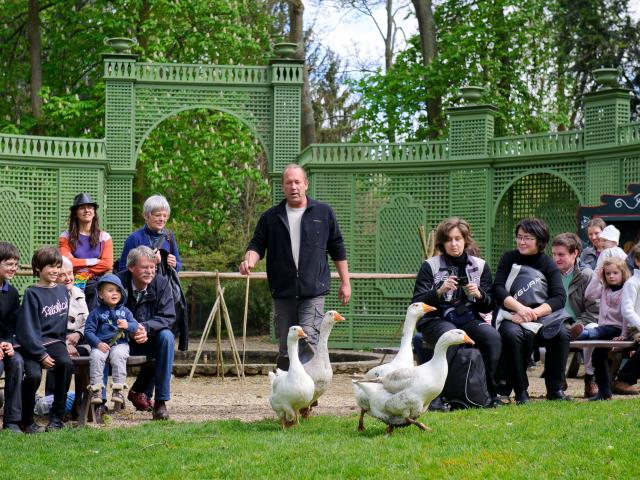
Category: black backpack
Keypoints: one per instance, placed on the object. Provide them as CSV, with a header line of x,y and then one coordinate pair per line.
x,y
466,384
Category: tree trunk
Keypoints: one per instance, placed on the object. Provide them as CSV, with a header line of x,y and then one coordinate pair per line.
x,y
429,48
296,35
35,58
389,39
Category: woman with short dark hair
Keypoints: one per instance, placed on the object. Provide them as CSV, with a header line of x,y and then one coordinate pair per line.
x,y
528,287
458,284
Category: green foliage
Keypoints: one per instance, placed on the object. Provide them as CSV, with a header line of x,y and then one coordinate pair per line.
x,y
542,440
534,57
205,164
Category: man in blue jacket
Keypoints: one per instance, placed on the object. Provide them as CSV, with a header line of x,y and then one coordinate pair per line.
x,y
150,300
297,234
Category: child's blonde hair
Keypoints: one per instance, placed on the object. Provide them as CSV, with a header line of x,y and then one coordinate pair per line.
x,y
616,262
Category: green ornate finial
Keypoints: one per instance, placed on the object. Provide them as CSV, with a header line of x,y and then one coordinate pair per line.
x,y
606,76
471,94
285,50
120,44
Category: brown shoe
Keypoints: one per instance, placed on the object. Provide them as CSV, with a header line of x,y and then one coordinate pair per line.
x,y
160,411
140,401
590,389
623,388
575,330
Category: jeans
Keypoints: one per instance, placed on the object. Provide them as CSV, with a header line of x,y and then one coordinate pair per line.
x,y
601,332
630,372
600,355
306,312
517,345
14,371
62,371
158,376
487,340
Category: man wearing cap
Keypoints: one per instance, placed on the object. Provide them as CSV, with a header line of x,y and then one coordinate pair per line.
x,y
296,235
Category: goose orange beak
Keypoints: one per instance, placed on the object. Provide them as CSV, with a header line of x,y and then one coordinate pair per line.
x,y
301,333
428,308
337,317
467,339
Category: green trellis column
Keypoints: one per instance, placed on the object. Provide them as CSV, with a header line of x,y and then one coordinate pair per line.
x,y
471,130
604,111
119,75
287,79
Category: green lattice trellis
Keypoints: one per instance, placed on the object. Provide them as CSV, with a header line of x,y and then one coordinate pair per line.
x,y
379,191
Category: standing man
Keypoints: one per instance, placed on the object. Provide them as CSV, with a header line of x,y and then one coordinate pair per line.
x,y
150,300
298,233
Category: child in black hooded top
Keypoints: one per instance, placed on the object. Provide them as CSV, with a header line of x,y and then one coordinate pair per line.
x,y
41,332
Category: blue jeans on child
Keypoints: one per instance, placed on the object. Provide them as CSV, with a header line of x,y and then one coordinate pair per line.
x,y
600,355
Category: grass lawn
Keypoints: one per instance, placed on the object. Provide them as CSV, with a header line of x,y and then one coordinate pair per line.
x,y
541,440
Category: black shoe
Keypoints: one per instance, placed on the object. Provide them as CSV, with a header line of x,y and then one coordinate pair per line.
x,y
439,405
55,423
33,428
600,396
522,397
494,402
12,427
558,395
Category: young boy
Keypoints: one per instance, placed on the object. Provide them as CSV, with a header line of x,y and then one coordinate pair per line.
x,y
41,333
609,238
107,330
10,360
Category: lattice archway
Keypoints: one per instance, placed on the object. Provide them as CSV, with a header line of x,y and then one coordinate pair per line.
x,y
542,194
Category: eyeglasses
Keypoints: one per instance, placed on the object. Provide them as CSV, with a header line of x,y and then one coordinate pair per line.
x,y
525,238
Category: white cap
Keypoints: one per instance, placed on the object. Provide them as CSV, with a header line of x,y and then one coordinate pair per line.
x,y
610,233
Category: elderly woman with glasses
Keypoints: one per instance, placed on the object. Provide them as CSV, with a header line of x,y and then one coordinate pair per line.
x,y
153,234
528,286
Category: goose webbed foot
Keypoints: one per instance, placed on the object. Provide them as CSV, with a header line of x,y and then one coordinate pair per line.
x,y
305,412
389,430
418,424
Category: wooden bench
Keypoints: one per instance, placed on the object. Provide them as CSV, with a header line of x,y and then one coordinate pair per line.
x,y
617,352
86,411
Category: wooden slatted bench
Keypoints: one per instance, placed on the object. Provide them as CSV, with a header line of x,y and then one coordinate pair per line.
x,y
618,351
81,373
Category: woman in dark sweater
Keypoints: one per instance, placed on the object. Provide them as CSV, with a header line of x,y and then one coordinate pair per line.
x,y
458,284
524,308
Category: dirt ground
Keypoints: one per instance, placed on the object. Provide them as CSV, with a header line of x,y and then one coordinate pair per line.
x,y
212,398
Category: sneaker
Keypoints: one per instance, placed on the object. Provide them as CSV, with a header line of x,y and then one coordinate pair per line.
x,y
623,388
439,405
160,411
117,397
590,389
576,330
95,394
33,428
55,423
12,427
139,401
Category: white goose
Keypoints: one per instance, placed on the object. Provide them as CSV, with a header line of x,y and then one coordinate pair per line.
x,y
399,398
403,359
319,367
293,389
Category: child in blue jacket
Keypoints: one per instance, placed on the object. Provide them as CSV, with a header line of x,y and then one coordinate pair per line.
x,y
107,332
